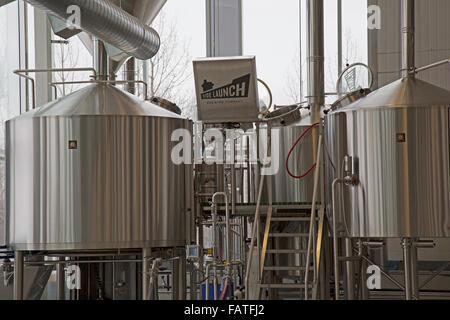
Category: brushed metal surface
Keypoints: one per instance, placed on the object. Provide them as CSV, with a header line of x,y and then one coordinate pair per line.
x,y
286,189
110,23
399,136
117,189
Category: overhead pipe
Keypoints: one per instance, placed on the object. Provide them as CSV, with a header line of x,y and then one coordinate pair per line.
x,y
108,22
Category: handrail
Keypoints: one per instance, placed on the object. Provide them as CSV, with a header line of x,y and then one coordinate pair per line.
x,y
109,82
313,216
255,224
24,74
252,243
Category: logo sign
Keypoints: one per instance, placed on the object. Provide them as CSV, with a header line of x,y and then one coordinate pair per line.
x,y
374,280
226,89
238,88
73,277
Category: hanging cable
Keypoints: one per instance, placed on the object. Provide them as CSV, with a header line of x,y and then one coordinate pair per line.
x,y
292,149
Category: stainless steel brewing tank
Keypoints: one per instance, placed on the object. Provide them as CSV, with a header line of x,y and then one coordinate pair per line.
x,y
399,137
286,189
93,170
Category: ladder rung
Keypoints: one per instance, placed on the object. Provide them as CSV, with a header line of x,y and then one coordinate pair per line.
x,y
283,285
286,268
287,219
288,235
286,251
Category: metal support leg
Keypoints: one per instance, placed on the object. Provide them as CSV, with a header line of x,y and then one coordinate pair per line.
x,y
179,279
146,253
407,245
18,275
350,270
414,272
60,281
362,252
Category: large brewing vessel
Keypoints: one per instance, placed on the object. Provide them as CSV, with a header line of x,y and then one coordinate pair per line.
x,y
93,170
398,140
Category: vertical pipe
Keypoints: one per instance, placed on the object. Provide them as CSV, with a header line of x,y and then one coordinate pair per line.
x,y
406,245
408,36
335,237
146,253
316,84
181,277
207,282
18,275
130,75
145,70
350,270
362,252
101,62
300,14
339,35
414,271
60,281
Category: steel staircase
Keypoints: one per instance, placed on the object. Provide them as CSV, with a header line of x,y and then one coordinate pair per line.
x,y
283,267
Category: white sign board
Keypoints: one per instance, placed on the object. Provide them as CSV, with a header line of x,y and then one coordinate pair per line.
x,y
226,89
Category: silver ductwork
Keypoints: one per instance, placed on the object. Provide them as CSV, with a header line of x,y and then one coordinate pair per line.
x,y
109,23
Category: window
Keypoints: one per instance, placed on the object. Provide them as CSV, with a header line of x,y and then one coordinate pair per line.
x,y
9,86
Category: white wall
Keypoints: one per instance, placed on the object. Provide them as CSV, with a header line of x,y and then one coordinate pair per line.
x,y
432,40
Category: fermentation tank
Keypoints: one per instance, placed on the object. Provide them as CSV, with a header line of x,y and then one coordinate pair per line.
x,y
398,138
285,188
93,170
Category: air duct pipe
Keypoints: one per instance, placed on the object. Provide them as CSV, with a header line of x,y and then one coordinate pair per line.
x,y
408,35
109,23
316,84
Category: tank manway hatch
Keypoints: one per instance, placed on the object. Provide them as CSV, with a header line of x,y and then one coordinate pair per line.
x,y
226,89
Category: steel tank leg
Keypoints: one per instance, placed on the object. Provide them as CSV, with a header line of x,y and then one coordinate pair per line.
x,y
407,246
350,276
414,272
179,278
362,252
146,253
18,275
60,281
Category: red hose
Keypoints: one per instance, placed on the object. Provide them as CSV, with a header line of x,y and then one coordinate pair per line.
x,y
292,149
225,289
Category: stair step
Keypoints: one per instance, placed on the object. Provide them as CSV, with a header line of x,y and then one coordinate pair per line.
x,y
288,235
286,268
288,219
286,251
283,286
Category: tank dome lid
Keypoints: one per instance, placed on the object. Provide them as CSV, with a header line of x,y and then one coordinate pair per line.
x,y
408,92
100,99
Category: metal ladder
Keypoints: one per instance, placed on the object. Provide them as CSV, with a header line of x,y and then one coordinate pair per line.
x,y
269,268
